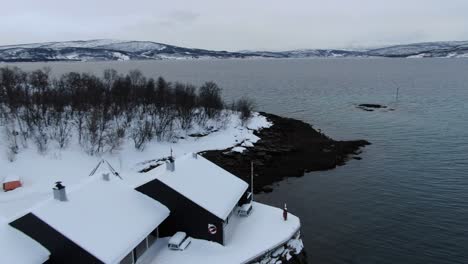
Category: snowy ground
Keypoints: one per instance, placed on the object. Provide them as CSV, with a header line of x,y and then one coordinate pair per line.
x,y
249,237
72,165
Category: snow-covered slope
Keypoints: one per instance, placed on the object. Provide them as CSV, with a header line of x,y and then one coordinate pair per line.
x,y
447,49
308,53
105,50
38,172
427,49
111,50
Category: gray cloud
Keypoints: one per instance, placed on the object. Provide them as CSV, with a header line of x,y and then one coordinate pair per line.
x,y
235,25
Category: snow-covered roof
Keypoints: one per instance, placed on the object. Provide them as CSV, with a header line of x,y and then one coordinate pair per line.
x,y
16,247
11,178
205,183
106,218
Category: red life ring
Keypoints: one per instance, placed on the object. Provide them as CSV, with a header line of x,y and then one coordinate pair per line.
x,y
212,229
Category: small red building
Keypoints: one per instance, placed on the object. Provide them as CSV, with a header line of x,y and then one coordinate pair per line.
x,y
11,182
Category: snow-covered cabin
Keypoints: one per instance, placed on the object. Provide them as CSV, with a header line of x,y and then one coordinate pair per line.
x,y
200,195
18,248
100,221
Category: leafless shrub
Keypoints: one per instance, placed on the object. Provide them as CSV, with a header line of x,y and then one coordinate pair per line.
x,y
245,107
210,99
185,102
12,142
61,129
114,139
141,131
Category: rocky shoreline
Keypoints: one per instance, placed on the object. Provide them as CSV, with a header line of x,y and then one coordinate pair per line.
x,y
289,148
292,252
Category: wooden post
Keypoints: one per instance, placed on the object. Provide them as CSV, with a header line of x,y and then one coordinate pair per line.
x,y
251,180
397,92
285,213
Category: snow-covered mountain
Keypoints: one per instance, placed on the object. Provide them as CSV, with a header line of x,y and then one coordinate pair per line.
x,y
447,49
114,50
307,53
105,50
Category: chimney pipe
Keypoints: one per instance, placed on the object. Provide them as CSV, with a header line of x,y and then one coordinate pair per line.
x,y
60,193
170,164
105,177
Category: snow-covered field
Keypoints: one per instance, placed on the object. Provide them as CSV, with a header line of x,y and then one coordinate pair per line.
x,y
39,172
251,237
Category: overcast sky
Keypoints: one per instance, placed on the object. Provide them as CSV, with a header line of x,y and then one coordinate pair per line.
x,y
236,25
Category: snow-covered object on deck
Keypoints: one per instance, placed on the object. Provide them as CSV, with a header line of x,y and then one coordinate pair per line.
x,y
177,238
206,184
18,248
179,241
106,218
245,209
11,182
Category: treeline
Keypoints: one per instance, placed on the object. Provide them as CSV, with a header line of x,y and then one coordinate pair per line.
x,y
104,111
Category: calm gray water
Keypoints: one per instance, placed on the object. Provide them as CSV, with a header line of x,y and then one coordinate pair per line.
x,y
406,201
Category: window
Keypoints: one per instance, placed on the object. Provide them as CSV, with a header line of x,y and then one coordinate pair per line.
x,y
226,222
128,259
140,249
152,237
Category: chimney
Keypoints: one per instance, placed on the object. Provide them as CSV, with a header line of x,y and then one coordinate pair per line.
x,y
170,164
105,177
194,155
60,193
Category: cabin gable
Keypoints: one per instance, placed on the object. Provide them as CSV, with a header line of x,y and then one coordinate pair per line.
x,y
186,215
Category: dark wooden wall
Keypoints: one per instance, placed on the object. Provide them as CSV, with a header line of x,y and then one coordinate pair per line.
x,y
185,215
62,250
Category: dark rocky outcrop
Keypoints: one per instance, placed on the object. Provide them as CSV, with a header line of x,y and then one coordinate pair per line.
x,y
289,148
371,107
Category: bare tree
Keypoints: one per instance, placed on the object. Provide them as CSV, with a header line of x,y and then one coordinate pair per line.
x,y
141,131
245,107
11,139
210,99
61,129
185,102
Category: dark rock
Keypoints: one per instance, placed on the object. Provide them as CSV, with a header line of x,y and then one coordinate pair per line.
x,y
301,258
288,148
198,135
372,106
267,189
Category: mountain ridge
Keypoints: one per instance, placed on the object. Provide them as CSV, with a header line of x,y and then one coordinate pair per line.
x,y
122,50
